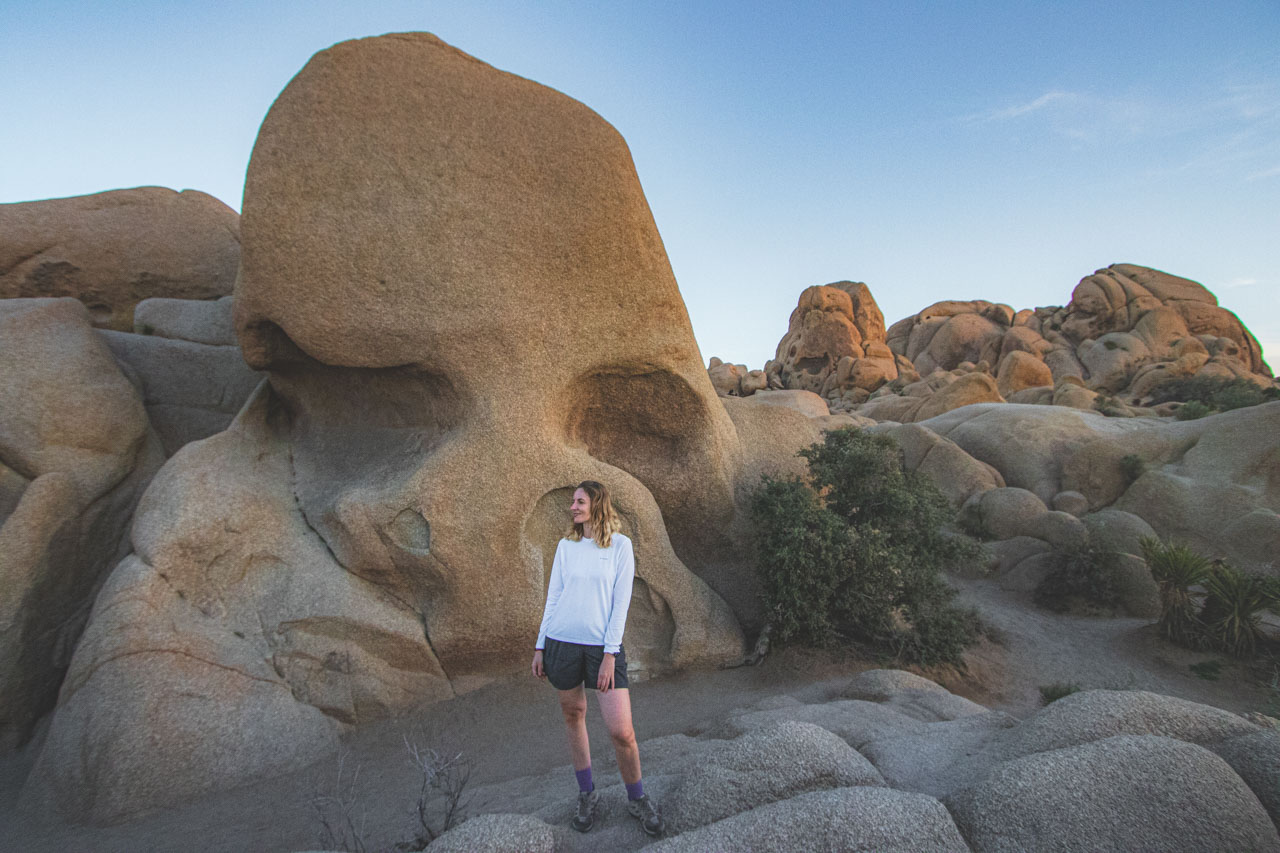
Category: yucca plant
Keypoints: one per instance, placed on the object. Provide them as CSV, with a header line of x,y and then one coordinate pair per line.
x,y
1233,605
1175,569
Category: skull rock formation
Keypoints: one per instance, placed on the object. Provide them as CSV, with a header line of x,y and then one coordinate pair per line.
x,y
113,249
458,295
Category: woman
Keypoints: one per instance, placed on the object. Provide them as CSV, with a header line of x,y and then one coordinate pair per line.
x,y
580,643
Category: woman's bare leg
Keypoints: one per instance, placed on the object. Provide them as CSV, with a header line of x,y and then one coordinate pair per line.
x,y
573,704
615,707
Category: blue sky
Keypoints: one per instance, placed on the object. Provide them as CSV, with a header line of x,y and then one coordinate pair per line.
x,y
933,150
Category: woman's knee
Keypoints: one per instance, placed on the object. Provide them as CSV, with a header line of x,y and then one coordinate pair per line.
x,y
624,738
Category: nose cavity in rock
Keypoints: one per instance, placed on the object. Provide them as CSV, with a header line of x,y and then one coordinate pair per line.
x,y
412,532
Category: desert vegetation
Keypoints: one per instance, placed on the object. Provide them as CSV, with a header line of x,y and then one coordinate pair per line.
x,y
440,801
1204,395
1083,579
1210,605
857,551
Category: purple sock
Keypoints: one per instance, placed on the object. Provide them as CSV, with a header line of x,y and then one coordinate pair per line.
x,y
635,790
584,779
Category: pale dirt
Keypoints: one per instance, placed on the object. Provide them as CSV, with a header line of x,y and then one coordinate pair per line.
x,y
510,729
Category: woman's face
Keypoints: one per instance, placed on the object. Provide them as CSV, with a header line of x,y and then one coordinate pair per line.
x,y
580,509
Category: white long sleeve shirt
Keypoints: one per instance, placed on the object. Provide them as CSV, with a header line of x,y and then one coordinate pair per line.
x,y
589,593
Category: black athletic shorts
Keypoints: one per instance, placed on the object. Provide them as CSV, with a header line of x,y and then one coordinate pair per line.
x,y
569,664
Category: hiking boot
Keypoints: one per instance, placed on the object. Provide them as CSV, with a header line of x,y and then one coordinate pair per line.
x,y
586,816
647,813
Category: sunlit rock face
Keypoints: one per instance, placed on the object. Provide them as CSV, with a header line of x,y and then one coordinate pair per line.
x,y
453,282
1127,330
113,249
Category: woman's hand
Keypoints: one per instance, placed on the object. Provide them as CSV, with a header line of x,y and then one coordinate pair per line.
x,y
537,664
604,681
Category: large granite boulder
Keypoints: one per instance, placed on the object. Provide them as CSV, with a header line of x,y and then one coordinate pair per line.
x,y
1118,299
113,249
763,766
1122,794
228,645
852,819
76,452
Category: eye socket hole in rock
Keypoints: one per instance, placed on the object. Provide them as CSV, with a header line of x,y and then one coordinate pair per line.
x,y
651,424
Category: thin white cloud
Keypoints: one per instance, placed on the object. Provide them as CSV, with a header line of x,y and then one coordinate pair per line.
x,y
1273,172
1045,100
1239,282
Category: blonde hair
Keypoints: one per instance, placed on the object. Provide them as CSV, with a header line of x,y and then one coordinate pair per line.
x,y
604,521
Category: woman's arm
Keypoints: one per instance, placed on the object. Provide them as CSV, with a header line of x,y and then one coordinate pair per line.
x,y
554,590
624,579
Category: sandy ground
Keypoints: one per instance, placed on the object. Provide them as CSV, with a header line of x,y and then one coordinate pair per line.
x,y
511,729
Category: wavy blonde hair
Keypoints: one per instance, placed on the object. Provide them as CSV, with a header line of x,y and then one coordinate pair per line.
x,y
604,521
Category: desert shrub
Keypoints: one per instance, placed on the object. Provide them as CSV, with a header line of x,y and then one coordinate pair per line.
x,y
1132,467
1082,578
857,552
1192,411
1215,393
1232,611
1050,693
1176,569
441,801
804,552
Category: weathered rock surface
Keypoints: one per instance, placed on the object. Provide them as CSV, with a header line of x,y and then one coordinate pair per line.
x,y
1256,758
846,819
113,249
194,675
1107,770
191,390
201,321
75,454
834,345
763,766
1097,714
497,833
1123,793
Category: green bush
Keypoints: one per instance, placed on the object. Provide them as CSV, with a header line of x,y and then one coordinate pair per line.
x,y
1232,612
1082,578
1132,467
1176,569
1050,693
1215,393
1193,410
857,552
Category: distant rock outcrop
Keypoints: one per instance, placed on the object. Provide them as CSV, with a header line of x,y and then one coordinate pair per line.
x,y
111,250
1126,330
